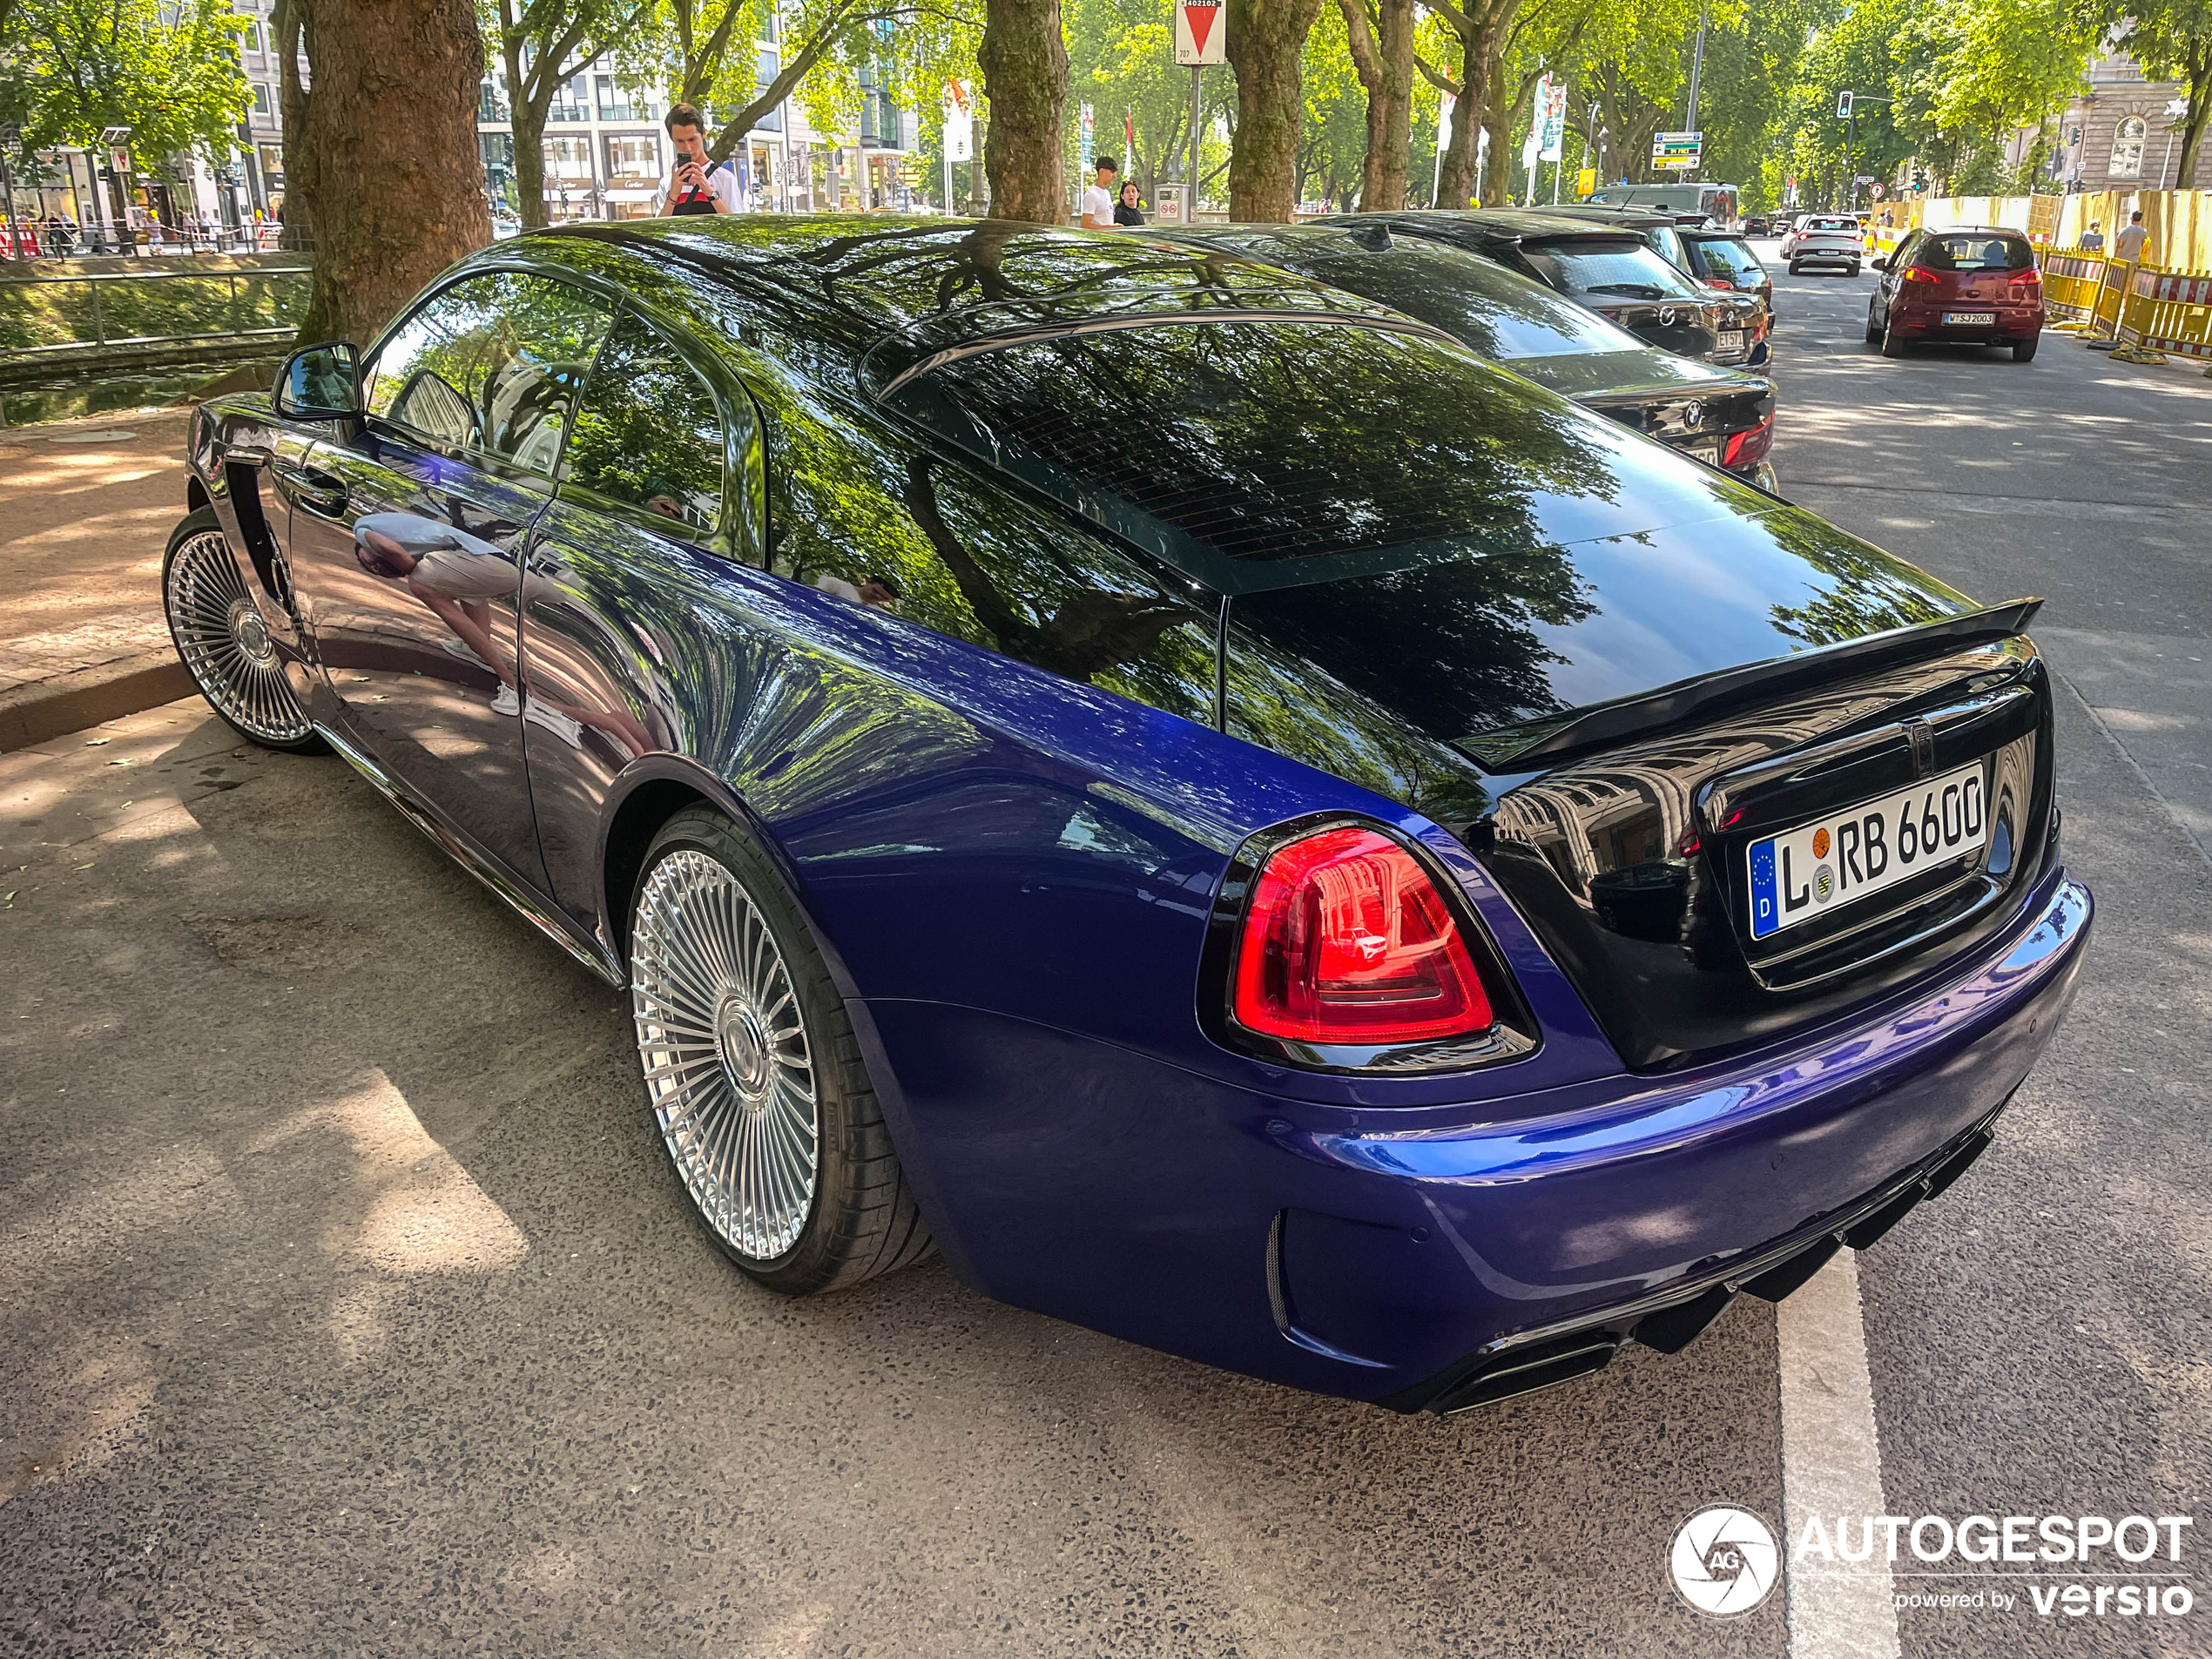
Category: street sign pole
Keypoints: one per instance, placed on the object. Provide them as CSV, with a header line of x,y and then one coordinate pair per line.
x,y
1696,72
1201,38
1191,194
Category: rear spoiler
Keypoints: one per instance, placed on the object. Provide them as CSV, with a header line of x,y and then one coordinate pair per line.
x,y
1507,749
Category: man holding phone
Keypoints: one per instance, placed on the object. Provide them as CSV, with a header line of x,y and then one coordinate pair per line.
x,y
694,189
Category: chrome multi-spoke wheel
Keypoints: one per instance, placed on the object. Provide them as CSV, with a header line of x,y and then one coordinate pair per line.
x,y
224,641
728,1066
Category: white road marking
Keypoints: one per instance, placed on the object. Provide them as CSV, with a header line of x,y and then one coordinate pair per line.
x,y
1831,1466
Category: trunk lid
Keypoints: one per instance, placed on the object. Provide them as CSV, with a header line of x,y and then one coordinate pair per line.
x,y
1629,847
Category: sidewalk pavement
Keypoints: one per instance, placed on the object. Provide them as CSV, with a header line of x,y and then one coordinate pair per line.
x,y
84,516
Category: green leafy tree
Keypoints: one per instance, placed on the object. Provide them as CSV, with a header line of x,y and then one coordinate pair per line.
x,y
543,44
166,69
1121,57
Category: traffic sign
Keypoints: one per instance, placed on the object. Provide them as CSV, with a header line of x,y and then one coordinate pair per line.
x,y
1586,182
1201,33
1679,151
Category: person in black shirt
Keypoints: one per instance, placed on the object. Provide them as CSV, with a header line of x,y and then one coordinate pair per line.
x,y
1125,208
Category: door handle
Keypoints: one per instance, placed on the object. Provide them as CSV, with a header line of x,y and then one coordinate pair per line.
x,y
325,492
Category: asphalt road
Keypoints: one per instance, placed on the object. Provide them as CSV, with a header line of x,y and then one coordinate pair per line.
x,y
348,1306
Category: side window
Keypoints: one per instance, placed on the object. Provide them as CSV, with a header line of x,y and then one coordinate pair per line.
x,y
648,434
490,365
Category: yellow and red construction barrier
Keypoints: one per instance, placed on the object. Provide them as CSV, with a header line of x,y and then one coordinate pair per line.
x,y
2144,310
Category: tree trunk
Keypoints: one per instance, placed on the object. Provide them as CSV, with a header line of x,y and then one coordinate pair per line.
x,y
381,151
526,117
1477,44
1266,48
1024,59
1382,52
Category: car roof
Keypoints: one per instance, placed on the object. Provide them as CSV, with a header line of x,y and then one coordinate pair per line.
x,y
1499,225
936,281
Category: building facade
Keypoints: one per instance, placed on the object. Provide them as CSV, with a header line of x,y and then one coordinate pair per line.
x,y
607,155
2120,134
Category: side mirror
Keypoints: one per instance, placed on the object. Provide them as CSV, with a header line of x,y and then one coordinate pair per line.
x,y
1881,262
319,383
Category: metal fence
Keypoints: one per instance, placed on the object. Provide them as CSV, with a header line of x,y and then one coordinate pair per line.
x,y
76,313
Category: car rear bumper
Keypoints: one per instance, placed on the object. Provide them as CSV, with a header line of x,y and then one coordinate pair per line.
x,y
2008,325
1827,256
1410,1256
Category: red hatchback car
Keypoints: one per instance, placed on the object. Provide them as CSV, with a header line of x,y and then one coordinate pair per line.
x,y
1973,285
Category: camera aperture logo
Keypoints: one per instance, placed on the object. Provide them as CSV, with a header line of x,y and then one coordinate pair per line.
x,y
1724,1560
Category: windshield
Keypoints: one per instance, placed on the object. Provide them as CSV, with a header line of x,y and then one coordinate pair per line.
x,y
1499,313
1626,269
1851,225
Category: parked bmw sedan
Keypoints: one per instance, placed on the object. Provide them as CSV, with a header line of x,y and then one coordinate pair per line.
x,y
1610,271
1971,287
1240,823
1722,417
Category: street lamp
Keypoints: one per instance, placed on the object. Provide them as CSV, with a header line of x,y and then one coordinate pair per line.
x,y
2175,107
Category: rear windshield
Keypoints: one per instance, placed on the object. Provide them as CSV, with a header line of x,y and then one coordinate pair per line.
x,y
1979,252
1851,225
1258,443
1726,260
1624,269
1499,314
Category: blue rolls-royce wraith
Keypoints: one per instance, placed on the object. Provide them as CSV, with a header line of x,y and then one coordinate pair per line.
x,y
1239,822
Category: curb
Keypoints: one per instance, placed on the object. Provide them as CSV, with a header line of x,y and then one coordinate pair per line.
x,y
71,702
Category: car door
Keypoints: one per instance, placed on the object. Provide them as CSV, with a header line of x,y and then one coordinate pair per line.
x,y
407,534
661,482
1886,285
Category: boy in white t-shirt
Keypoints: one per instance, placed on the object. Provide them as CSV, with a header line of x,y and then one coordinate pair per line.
x,y
1098,196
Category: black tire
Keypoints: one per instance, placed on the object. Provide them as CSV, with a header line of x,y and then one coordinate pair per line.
x,y
1873,328
1893,342
1794,267
1853,271
2024,350
857,1219
207,596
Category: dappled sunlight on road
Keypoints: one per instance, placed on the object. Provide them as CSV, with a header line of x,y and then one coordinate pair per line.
x,y
420,1212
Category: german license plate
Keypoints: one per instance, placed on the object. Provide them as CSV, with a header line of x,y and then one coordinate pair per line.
x,y
1707,453
1731,339
1805,873
1970,318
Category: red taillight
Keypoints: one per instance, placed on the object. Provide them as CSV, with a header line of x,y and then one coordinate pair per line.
x,y
1720,282
1914,274
1743,447
1347,940
2031,276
